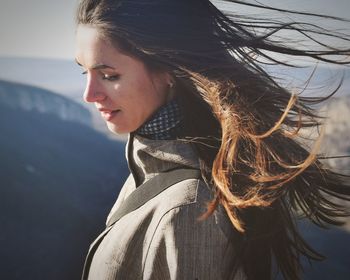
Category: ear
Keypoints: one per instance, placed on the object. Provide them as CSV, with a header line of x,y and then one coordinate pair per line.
x,y
170,81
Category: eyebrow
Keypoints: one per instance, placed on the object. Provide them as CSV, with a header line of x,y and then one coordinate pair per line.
x,y
97,66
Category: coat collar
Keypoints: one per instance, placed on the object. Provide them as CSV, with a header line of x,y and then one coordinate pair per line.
x,y
146,158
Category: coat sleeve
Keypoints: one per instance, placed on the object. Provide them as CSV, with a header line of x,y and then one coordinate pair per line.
x,y
185,248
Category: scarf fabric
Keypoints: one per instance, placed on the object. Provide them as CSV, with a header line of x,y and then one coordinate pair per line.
x,y
165,123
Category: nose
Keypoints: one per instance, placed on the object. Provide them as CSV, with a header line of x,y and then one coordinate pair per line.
x,y
93,91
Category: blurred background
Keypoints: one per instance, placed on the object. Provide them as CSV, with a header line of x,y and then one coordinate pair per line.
x,y
61,169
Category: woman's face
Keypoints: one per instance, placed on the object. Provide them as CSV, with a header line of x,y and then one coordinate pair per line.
x,y
120,86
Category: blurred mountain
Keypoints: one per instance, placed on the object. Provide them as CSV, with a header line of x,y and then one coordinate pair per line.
x,y
20,97
337,133
336,141
334,242
59,178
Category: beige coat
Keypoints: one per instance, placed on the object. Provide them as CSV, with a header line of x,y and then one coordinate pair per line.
x,y
163,239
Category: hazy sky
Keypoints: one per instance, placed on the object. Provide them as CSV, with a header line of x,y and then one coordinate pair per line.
x,y
37,28
45,28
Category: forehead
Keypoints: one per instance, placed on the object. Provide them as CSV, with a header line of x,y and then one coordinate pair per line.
x,y
92,49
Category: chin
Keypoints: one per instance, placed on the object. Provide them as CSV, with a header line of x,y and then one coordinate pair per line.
x,y
117,129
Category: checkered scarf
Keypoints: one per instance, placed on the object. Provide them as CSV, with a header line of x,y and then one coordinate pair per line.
x,y
165,123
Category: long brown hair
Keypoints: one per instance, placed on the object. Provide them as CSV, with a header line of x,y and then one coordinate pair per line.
x,y
245,126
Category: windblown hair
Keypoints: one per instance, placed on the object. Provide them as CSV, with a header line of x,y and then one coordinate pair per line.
x,y
245,125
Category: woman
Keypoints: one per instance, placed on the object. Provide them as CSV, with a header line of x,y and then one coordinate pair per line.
x,y
184,81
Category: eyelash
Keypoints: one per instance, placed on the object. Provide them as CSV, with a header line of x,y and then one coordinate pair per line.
x,y
106,77
110,78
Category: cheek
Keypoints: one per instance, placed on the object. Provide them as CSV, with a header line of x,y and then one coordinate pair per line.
x,y
148,103
115,93
139,109
138,93
154,94
138,98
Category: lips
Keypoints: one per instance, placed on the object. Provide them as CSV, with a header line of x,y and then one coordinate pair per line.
x,y
108,114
